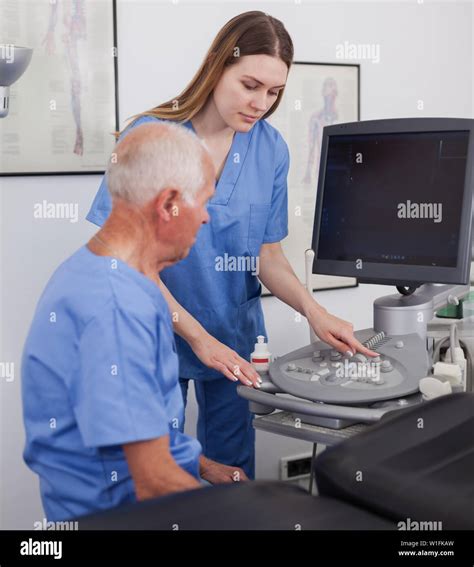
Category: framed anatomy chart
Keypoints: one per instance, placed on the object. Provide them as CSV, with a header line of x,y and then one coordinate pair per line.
x,y
316,95
64,109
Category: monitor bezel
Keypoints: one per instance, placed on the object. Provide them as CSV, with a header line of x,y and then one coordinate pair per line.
x,y
375,272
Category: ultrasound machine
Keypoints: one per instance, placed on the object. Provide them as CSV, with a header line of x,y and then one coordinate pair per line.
x,y
393,207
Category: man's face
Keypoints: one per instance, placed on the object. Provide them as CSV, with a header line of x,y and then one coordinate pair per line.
x,y
249,88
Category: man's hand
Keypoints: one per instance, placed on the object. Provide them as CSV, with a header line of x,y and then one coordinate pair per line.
x,y
154,470
220,357
216,473
336,332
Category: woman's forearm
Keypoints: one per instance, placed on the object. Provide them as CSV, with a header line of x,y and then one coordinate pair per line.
x,y
276,273
210,351
184,324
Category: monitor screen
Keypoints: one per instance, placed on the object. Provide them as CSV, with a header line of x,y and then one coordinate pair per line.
x,y
390,199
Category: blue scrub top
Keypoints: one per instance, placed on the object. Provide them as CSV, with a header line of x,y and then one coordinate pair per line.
x,y
215,282
99,370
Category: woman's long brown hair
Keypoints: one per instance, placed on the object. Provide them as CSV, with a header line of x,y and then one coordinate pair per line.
x,y
250,33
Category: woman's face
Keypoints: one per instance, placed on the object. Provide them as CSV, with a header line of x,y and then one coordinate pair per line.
x,y
248,89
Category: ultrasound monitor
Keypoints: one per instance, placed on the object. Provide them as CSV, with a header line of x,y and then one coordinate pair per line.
x,y
394,201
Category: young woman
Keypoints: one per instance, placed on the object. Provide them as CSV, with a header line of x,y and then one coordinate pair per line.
x,y
215,303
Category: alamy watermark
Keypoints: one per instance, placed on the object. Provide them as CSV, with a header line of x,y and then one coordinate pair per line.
x,y
411,210
7,371
45,210
413,525
359,370
7,52
228,263
57,526
368,51
35,547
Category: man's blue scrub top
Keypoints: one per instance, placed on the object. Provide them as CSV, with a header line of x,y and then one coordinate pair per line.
x,y
99,370
216,282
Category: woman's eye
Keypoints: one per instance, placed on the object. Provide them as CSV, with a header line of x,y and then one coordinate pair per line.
x,y
254,87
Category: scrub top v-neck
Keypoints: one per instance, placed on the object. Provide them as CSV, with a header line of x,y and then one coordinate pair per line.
x,y
229,175
217,282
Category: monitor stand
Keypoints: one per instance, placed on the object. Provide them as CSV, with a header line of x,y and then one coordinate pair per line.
x,y
400,314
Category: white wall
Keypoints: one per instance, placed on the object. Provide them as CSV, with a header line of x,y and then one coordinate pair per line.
x,y
426,53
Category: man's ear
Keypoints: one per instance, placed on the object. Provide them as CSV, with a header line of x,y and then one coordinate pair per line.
x,y
167,204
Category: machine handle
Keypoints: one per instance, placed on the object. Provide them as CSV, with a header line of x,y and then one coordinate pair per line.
x,y
312,408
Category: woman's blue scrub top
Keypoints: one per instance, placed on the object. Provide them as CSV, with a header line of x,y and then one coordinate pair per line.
x,y
216,282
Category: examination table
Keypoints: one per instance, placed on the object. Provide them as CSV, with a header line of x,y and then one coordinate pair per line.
x,y
416,463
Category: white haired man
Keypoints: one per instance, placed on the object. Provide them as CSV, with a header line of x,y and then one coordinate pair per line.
x,y
101,397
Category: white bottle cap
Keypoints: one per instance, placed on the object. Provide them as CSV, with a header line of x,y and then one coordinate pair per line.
x,y
261,346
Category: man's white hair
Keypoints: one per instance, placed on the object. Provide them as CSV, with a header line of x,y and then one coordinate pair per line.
x,y
155,156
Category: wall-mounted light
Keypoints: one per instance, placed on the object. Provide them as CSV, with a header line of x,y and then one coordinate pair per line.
x,y
13,63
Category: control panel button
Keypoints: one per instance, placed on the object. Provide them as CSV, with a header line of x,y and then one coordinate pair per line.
x,y
323,372
335,355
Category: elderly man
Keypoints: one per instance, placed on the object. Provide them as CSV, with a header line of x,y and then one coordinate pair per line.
x,y
102,402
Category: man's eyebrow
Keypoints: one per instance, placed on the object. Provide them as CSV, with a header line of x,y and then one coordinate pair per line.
x,y
260,82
